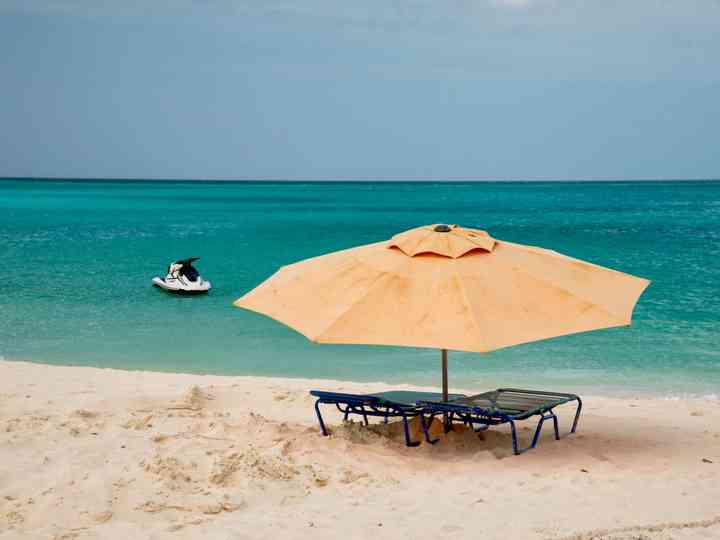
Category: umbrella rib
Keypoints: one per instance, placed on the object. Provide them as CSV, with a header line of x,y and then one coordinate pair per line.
x,y
468,305
556,287
365,294
533,251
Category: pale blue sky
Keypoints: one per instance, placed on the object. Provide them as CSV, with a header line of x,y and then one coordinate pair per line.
x,y
322,89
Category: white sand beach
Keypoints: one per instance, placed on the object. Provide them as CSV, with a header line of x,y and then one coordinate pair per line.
x,y
97,453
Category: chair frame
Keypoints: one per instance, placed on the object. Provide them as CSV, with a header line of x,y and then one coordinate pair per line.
x,y
486,417
366,405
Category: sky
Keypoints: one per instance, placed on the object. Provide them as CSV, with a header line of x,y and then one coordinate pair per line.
x,y
377,89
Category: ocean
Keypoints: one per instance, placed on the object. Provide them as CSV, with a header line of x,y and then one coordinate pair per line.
x,y
77,258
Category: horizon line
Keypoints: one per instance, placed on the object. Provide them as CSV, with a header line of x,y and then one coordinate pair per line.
x,y
349,179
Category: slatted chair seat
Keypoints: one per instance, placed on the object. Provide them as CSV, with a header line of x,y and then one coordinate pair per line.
x,y
501,406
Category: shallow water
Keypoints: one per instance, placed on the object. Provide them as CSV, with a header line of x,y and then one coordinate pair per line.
x,y
77,259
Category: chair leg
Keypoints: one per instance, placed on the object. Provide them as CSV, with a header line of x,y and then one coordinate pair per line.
x,y
555,425
536,435
516,450
320,418
364,416
408,441
513,431
538,429
549,415
426,428
448,419
577,415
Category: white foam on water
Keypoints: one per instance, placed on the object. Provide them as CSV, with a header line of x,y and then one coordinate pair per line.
x,y
679,397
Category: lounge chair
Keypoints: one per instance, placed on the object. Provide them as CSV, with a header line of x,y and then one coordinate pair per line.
x,y
505,405
394,404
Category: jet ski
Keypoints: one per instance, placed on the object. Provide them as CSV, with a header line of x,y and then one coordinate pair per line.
x,y
183,278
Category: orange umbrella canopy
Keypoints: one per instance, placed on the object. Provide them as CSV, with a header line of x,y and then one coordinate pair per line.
x,y
445,287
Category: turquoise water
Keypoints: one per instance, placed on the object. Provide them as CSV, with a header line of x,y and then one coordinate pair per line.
x,y
77,259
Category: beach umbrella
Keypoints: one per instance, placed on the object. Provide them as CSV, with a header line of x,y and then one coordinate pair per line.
x,y
445,287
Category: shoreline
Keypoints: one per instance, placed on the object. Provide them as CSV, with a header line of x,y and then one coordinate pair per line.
x,y
106,453
383,385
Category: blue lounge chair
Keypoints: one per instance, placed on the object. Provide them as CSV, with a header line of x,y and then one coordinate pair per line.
x,y
505,405
386,405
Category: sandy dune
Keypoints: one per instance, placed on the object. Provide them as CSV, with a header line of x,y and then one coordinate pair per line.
x,y
91,453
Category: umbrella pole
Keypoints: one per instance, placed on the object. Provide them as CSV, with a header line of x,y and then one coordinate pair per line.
x,y
446,418
444,375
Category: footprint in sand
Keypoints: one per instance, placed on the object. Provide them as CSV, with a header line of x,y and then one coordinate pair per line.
x,y
142,423
12,517
102,517
84,413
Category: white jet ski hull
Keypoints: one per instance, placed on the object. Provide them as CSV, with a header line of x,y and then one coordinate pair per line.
x,y
176,286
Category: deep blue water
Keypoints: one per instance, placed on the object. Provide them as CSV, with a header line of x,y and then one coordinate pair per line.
x,y
77,259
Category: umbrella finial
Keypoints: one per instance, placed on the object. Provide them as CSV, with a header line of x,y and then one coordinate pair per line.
x,y
442,239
